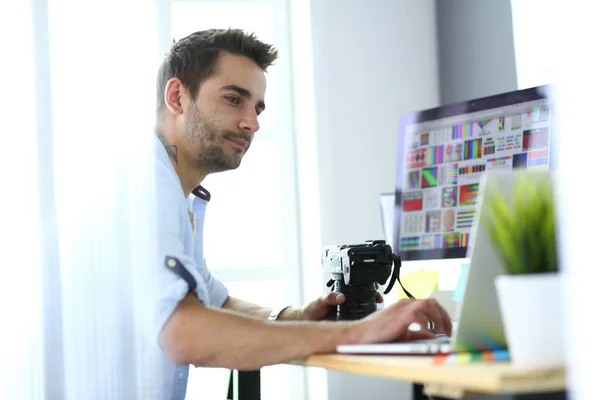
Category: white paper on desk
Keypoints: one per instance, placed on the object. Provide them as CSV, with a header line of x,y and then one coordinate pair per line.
x,y
386,204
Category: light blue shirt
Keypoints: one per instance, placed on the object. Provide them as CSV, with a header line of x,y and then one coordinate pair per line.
x,y
178,238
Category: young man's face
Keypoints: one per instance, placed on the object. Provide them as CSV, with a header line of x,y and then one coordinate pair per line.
x,y
218,127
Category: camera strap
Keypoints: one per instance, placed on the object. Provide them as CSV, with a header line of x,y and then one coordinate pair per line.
x,y
396,277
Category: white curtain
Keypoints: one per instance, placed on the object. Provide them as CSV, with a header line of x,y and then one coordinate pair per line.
x,y
578,67
76,210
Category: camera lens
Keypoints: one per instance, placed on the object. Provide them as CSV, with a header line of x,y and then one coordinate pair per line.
x,y
361,300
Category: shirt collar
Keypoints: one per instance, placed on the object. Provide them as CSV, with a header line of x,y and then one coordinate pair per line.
x,y
199,191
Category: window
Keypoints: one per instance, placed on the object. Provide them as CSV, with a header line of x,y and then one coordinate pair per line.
x,y
535,52
250,233
244,221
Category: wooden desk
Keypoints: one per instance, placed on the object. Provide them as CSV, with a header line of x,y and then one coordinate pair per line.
x,y
450,381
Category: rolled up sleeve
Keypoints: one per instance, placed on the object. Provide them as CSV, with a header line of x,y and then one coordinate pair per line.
x,y
172,287
217,291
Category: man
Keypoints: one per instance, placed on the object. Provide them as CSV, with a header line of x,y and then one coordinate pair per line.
x,y
211,90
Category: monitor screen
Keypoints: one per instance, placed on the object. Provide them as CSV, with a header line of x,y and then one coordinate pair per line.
x,y
442,154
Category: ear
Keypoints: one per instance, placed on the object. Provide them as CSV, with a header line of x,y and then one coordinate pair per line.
x,y
174,93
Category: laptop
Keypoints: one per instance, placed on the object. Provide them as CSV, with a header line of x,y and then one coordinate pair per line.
x,y
478,320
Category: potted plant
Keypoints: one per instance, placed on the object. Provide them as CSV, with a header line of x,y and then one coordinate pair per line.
x,y
520,220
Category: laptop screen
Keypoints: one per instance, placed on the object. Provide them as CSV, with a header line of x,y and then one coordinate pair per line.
x,y
442,154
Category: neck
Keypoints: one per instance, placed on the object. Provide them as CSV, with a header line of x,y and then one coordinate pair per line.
x,y
189,174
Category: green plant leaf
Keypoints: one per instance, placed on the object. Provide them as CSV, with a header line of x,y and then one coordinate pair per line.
x,y
522,227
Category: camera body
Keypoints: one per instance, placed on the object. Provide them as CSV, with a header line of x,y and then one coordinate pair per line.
x,y
355,270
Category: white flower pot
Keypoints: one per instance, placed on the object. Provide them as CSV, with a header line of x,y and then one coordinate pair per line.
x,y
531,309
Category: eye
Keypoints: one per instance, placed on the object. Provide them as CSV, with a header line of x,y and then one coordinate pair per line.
x,y
258,111
233,100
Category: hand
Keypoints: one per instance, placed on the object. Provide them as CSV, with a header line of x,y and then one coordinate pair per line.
x,y
391,323
320,308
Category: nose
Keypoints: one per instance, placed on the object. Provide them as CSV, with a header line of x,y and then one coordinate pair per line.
x,y
249,122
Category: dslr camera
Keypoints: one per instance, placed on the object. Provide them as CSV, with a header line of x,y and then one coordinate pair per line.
x,y
355,270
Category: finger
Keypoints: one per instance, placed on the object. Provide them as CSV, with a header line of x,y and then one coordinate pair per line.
x,y
417,323
445,323
447,327
429,309
379,298
439,322
419,335
447,320
333,298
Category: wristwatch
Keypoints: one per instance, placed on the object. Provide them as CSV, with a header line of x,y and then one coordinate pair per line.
x,y
276,312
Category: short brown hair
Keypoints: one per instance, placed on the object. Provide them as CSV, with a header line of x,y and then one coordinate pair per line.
x,y
193,58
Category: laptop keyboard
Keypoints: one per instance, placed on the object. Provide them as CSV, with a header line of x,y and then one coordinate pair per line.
x,y
441,338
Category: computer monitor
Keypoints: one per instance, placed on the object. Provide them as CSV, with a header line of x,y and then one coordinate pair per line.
x,y
442,154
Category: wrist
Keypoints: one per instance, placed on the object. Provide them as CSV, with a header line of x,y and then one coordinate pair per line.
x,y
339,333
281,314
291,314
351,332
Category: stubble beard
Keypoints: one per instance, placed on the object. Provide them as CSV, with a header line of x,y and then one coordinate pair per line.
x,y
203,131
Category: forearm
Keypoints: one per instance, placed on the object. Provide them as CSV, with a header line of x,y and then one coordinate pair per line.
x,y
199,335
259,312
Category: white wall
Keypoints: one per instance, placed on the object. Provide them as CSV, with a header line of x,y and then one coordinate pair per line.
x,y
372,61
477,53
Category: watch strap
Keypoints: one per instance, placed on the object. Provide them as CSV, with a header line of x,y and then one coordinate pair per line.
x,y
274,315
